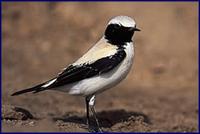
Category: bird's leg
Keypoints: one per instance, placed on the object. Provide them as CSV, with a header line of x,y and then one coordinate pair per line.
x,y
87,99
91,104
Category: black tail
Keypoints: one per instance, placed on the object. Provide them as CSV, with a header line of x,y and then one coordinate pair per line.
x,y
34,89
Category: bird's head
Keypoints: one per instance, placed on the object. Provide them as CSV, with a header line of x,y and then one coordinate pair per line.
x,y
120,29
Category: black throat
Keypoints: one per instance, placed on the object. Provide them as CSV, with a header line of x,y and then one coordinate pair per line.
x,y
118,35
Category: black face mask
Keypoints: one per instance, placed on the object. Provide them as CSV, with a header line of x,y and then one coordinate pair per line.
x,y
118,34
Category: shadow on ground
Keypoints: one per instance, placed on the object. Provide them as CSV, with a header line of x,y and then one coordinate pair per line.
x,y
107,119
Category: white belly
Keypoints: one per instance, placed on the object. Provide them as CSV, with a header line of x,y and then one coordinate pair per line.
x,y
98,84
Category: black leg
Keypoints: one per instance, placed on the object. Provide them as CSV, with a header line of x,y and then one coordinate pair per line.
x,y
95,117
87,101
87,111
91,104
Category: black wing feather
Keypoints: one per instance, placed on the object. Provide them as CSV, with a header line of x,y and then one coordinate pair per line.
x,y
34,89
76,73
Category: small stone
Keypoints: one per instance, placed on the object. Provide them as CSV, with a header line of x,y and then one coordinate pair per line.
x,y
32,123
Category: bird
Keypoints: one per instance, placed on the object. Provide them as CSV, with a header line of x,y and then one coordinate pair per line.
x,y
102,67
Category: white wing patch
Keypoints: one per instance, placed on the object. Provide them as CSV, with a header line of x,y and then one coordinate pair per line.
x,y
49,83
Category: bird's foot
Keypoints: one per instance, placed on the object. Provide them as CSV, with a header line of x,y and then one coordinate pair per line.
x,y
94,129
100,130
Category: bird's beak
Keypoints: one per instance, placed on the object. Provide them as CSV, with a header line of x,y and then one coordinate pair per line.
x,y
136,29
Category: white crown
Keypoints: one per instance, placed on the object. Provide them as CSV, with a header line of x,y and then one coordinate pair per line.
x,y
123,20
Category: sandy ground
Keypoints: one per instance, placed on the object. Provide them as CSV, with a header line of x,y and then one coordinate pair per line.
x,y
159,95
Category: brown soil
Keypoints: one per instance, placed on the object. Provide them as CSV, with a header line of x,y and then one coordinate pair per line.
x,y
159,94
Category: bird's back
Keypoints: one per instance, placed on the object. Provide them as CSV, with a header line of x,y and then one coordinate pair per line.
x,y
101,48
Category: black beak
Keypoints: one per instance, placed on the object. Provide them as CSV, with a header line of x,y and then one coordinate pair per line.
x,y
136,29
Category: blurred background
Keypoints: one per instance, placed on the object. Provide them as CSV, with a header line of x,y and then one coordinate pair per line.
x,y
39,39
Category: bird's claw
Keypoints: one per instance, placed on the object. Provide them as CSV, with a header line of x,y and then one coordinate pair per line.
x,y
94,129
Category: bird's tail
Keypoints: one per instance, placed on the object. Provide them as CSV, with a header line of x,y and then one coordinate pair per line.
x,y
34,89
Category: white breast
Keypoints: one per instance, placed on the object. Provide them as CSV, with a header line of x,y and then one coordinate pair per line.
x,y
100,83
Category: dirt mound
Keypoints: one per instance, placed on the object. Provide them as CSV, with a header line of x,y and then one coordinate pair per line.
x,y
15,113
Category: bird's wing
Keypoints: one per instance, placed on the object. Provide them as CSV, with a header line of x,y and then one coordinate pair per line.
x,y
74,73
